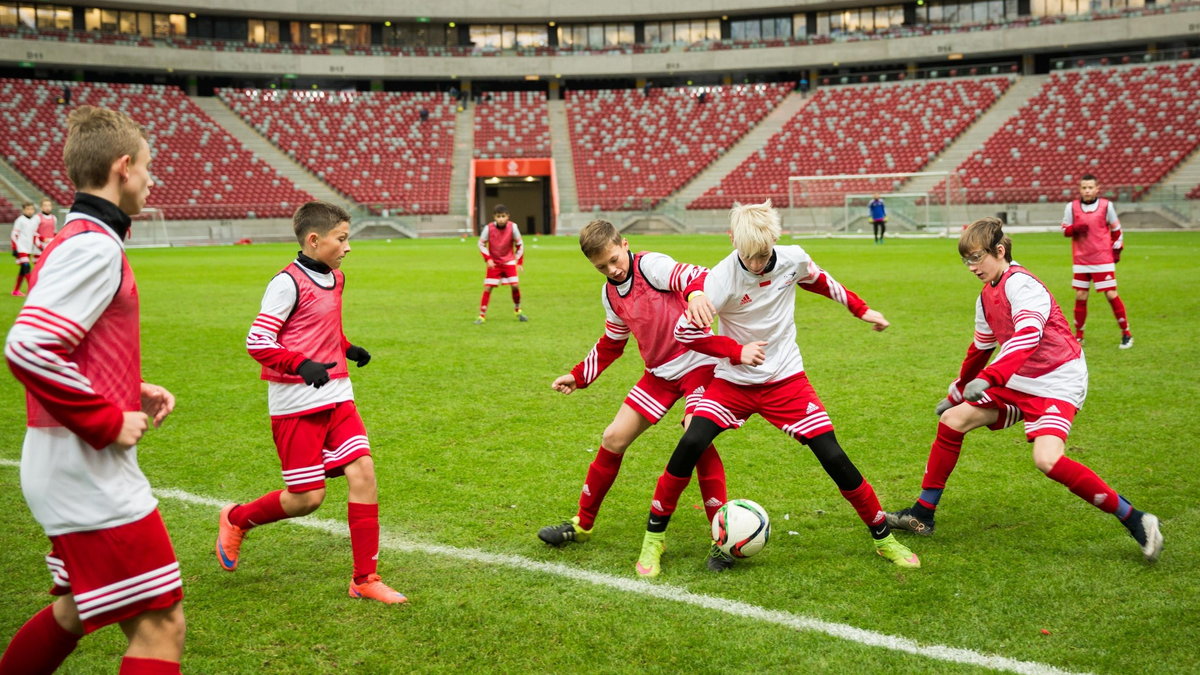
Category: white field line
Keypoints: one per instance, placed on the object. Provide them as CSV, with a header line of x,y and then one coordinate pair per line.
x,y
660,591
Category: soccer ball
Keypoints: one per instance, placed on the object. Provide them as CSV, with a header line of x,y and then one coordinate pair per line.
x,y
741,528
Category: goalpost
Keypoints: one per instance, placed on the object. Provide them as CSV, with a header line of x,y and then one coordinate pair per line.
x,y
149,229
921,201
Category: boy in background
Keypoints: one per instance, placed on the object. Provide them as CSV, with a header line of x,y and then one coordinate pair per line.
x,y
47,226
297,337
23,239
503,250
1096,245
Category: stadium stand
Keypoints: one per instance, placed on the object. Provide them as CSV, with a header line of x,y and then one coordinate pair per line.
x,y
8,211
1128,126
200,171
632,150
844,130
81,36
367,145
512,124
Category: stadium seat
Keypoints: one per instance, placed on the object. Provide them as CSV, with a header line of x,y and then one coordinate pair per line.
x,y
895,128
371,146
1128,126
189,149
512,124
631,150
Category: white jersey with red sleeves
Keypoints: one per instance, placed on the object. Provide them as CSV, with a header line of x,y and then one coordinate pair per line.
x,y
1096,232
75,347
24,234
300,319
502,244
762,307
646,304
1038,353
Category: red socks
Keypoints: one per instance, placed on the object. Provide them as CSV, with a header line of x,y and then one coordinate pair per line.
x,y
943,455
1080,316
134,666
710,473
600,476
864,501
364,538
1118,309
516,293
666,493
40,646
1085,484
483,302
266,509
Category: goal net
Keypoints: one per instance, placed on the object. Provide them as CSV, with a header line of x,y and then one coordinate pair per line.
x,y
149,229
926,201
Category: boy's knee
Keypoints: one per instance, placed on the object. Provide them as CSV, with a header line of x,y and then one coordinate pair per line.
x,y
959,418
303,503
361,471
615,441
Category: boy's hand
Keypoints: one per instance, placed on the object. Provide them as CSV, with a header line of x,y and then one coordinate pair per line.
x,y
753,354
876,319
564,384
131,430
315,374
974,390
358,355
943,405
491,264
157,402
700,310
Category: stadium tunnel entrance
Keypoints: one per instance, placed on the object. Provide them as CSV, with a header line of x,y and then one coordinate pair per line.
x,y
526,186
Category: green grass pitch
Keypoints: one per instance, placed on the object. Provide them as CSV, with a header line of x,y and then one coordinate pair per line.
x,y
475,452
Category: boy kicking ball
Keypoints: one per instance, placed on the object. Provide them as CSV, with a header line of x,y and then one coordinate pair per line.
x,y
1039,376
753,290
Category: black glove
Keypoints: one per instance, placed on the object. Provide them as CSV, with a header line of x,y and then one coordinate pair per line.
x,y
358,355
314,373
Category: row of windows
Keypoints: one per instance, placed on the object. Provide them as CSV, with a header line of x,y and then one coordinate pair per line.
x,y
597,35
683,32
13,15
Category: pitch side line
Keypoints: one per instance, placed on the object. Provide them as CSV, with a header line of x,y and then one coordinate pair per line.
x,y
661,591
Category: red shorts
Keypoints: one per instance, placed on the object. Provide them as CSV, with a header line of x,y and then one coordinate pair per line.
x,y
1043,416
315,445
502,273
116,573
790,405
653,396
1102,281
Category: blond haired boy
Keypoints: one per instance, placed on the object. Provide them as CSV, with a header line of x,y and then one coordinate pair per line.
x,y
760,370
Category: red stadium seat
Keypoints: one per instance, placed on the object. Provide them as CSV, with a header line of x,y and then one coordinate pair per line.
x,y
512,124
858,130
631,151
371,146
189,148
1128,126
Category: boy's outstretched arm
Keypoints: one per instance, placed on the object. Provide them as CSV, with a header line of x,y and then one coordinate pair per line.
x,y
822,283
